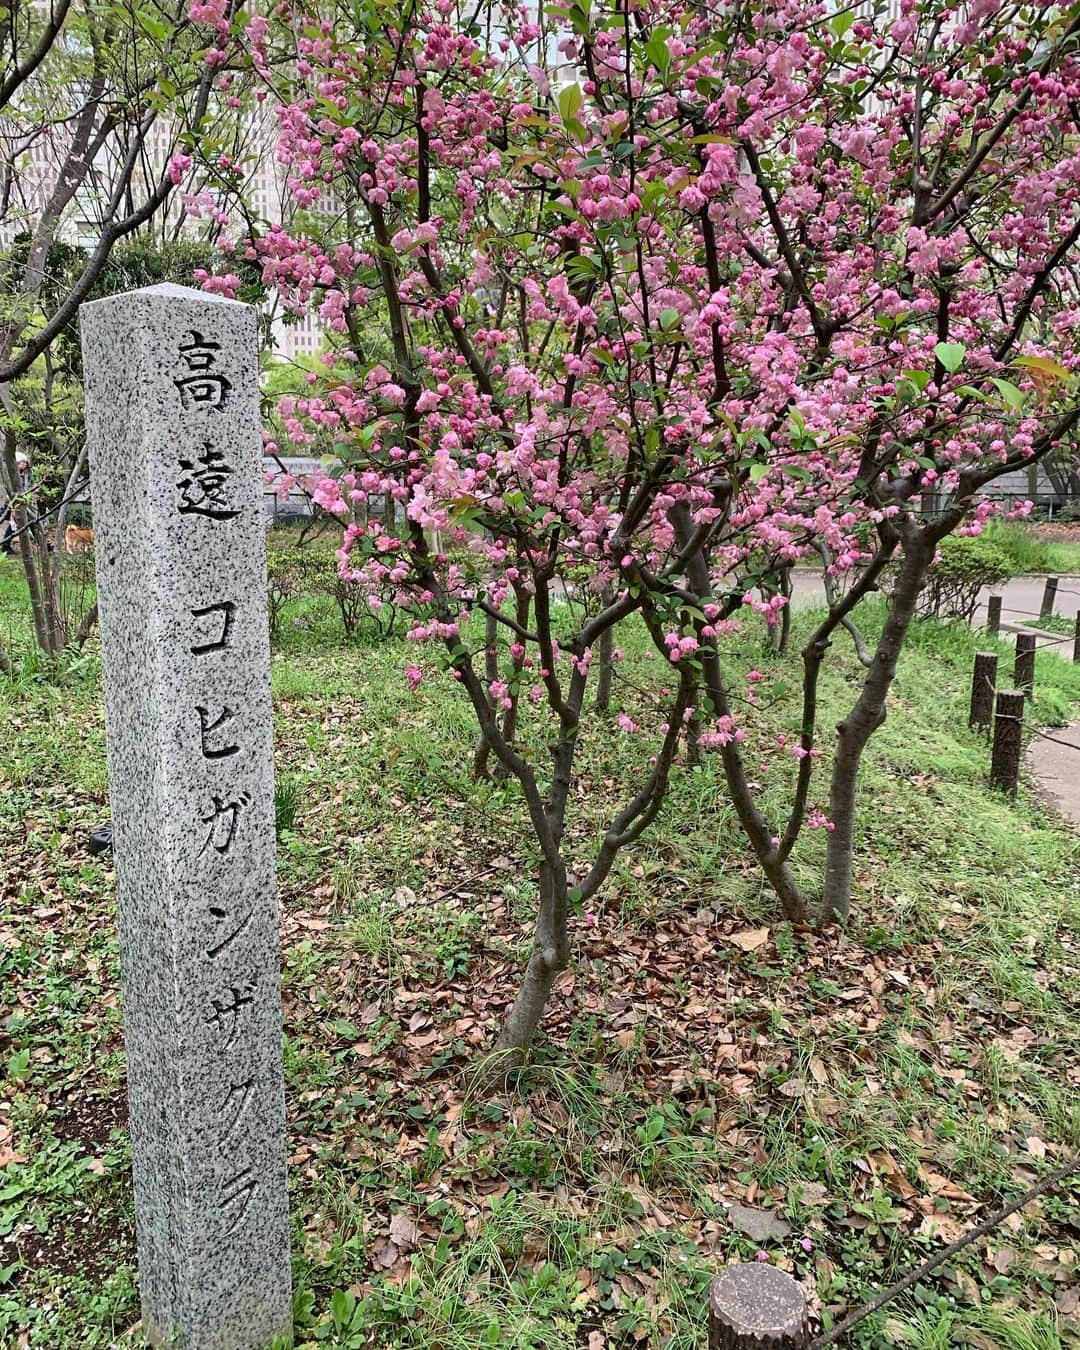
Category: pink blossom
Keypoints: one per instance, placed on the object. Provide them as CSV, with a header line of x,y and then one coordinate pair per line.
x,y
178,167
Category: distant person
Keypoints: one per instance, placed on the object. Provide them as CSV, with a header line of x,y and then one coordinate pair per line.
x,y
22,485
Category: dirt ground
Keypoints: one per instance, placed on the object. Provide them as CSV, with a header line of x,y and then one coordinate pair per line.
x,y
1065,532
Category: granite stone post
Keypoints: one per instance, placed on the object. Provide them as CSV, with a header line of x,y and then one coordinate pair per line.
x,y
173,430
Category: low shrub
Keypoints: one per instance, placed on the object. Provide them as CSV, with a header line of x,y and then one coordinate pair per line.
x,y
288,572
964,565
298,574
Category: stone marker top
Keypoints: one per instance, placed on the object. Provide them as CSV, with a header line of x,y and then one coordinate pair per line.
x,y
164,290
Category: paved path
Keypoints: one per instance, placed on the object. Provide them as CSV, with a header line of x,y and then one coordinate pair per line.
x,y
1056,766
1021,597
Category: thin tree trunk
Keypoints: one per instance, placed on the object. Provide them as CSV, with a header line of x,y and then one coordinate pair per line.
x,y
693,740
604,680
491,672
86,626
755,826
866,715
56,563
550,955
34,552
606,646
782,633
43,627
50,588
522,605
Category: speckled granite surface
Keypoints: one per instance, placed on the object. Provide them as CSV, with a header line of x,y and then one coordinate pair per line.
x,y
172,422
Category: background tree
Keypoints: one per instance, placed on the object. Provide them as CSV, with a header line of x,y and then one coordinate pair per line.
x,y
98,102
45,420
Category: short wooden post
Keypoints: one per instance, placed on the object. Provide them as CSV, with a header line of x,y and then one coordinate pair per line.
x,y
983,683
1049,597
1076,638
1008,736
757,1307
993,614
1024,664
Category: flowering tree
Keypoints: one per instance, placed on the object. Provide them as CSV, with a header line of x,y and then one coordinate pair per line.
x,y
637,305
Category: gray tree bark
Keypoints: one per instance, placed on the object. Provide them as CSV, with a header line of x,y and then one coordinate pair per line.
x,y
867,714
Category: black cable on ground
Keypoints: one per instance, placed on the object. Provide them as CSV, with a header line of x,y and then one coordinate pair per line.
x,y
972,1235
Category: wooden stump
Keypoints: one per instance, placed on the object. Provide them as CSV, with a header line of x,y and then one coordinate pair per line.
x,y
993,614
757,1307
1049,598
1008,739
983,682
1024,664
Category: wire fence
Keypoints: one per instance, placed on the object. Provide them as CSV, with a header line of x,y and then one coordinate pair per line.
x,y
986,710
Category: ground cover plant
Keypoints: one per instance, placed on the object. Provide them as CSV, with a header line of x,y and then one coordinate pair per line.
x,y
856,1099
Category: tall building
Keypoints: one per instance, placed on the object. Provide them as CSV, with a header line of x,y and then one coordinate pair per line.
x,y
40,165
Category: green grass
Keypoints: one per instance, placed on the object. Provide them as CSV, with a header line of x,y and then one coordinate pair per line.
x,y
1029,551
1053,623
916,1069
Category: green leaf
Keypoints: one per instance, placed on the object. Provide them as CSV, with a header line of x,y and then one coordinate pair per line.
x,y
565,209
656,49
583,266
840,23
154,26
919,378
1045,366
758,472
1014,397
342,1307
18,1065
571,101
579,17
951,355
668,319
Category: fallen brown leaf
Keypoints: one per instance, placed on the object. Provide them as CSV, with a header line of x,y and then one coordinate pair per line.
x,y
403,1230
750,939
